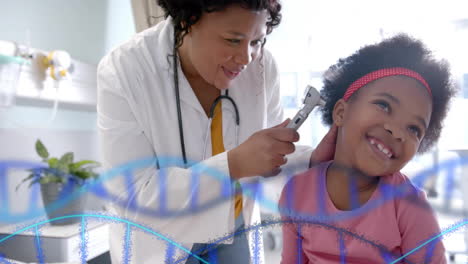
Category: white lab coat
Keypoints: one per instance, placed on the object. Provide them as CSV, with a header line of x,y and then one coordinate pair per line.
x,y
137,119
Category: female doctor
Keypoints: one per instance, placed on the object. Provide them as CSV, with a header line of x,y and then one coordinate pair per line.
x,y
198,86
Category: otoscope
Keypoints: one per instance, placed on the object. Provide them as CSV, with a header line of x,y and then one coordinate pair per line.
x,y
311,100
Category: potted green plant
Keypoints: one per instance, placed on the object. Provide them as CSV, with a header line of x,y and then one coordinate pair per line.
x,y
60,178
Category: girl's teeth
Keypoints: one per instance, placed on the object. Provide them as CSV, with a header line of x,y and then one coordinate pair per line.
x,y
381,148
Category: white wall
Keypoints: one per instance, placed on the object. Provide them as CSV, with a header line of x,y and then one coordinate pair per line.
x,y
120,24
85,28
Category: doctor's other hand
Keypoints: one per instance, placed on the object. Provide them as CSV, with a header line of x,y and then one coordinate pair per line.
x,y
263,153
325,150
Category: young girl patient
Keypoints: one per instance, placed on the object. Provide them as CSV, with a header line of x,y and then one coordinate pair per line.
x,y
388,102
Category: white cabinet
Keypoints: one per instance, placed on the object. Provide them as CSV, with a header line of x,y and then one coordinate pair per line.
x,y
57,243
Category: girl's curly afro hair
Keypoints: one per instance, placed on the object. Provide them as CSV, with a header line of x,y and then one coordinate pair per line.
x,y
398,51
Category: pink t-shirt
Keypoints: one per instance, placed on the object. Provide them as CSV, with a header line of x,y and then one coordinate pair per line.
x,y
396,219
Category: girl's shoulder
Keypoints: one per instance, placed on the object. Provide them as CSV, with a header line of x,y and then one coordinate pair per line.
x,y
404,190
400,180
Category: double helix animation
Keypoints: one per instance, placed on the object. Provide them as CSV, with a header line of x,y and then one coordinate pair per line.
x,y
174,248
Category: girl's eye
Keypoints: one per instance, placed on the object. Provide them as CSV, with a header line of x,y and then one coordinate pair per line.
x,y
415,131
383,105
233,41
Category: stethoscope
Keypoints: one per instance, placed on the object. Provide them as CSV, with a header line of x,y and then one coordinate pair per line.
x,y
210,114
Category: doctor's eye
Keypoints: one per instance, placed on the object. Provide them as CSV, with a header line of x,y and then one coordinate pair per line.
x,y
233,41
258,42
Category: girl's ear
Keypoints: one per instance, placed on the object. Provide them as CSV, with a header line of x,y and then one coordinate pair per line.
x,y
339,111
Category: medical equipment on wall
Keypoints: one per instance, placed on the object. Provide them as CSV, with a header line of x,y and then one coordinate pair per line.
x,y
10,71
311,100
47,72
58,64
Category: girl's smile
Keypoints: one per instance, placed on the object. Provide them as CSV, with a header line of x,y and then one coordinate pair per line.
x,y
383,123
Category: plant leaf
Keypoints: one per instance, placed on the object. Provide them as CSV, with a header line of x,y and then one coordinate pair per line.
x,y
24,180
53,163
83,174
79,164
34,182
41,149
67,158
62,168
64,162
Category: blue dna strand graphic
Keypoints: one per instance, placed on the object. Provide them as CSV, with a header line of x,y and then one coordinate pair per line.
x,y
387,256
126,201
84,243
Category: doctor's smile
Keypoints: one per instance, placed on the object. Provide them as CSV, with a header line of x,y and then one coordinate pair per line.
x,y
230,74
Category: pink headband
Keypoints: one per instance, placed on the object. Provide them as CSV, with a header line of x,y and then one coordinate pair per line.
x,y
384,73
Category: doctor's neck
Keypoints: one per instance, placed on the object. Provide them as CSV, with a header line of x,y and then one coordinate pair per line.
x,y
205,92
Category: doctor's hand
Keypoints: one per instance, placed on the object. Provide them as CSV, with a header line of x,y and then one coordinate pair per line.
x,y
262,153
325,150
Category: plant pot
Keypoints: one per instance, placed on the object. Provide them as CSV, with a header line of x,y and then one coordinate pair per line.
x,y
53,192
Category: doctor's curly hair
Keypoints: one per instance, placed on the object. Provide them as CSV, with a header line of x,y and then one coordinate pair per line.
x,y
186,13
398,51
